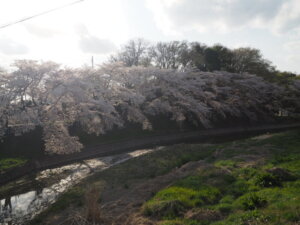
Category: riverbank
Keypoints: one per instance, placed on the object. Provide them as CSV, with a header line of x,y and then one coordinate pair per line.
x,y
25,198
127,145
250,181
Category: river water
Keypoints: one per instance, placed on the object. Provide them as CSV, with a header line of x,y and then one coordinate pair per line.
x,y
23,199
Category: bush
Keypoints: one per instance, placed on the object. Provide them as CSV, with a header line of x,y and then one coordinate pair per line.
x,y
238,188
254,217
224,207
165,209
248,173
282,174
251,201
267,180
227,199
173,201
193,182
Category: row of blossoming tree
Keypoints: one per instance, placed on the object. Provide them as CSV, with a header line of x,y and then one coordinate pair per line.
x,y
45,95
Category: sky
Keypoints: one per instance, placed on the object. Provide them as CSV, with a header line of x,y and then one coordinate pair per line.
x,y
98,28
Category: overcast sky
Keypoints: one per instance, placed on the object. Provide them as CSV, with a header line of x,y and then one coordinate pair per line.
x,y
99,27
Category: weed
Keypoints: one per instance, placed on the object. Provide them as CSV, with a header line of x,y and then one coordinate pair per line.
x,y
93,210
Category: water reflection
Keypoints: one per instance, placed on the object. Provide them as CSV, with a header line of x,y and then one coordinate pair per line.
x,y
23,201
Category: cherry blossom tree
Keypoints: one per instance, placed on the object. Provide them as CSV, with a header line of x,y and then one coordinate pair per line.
x,y
54,98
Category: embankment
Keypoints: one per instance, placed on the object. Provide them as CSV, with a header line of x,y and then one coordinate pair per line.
x,y
128,145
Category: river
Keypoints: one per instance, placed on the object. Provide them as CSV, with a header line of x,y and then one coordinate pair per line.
x,y
25,198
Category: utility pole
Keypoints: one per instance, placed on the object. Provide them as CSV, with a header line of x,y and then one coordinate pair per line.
x,y
92,62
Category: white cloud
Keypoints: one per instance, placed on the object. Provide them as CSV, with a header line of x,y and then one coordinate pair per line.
x,y
42,31
270,25
54,36
292,46
91,44
225,15
288,18
11,47
292,62
162,19
93,27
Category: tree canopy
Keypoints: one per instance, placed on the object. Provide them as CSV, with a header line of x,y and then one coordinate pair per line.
x,y
184,55
48,96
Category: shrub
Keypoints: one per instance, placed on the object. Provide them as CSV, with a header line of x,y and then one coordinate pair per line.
x,y
252,217
173,201
224,207
248,173
227,199
193,182
165,209
251,201
238,188
282,174
267,180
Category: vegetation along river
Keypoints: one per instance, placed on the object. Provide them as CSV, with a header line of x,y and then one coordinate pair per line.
x,y
23,199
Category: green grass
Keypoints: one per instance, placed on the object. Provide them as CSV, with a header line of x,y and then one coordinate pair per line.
x,y
173,201
249,194
8,163
241,191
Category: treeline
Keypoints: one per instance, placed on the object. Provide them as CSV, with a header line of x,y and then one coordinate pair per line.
x,y
182,55
53,99
142,83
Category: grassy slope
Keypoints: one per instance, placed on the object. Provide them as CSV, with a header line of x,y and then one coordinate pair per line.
x,y
235,189
239,190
